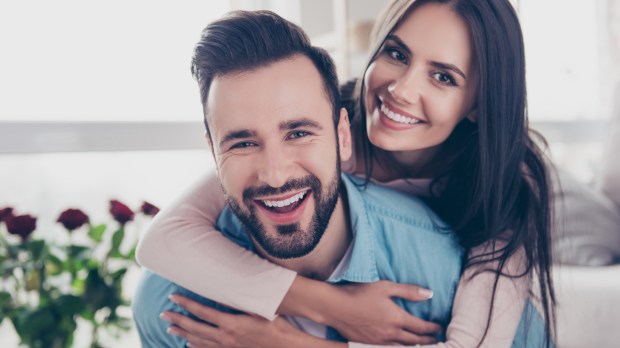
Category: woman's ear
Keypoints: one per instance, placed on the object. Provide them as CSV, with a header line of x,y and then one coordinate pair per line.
x,y
344,135
473,116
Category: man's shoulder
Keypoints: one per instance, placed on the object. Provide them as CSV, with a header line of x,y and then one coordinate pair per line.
x,y
150,300
231,227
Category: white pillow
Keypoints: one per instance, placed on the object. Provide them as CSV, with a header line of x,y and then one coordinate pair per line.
x,y
587,226
610,174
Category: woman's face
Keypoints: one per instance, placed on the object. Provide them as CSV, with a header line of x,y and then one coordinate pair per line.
x,y
422,83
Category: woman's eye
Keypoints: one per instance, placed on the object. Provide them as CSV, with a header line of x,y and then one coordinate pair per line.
x,y
298,134
444,78
396,54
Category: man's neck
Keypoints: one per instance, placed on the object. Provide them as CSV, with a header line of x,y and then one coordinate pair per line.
x,y
323,260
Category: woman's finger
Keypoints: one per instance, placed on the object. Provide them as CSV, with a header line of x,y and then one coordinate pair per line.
x,y
420,327
408,292
407,339
187,324
193,340
203,312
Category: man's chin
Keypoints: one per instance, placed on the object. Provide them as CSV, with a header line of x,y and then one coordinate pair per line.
x,y
285,241
284,232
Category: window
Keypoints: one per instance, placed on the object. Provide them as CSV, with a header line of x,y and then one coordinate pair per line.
x,y
71,60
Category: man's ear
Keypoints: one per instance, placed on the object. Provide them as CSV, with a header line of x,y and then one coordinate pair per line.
x,y
210,145
208,138
344,136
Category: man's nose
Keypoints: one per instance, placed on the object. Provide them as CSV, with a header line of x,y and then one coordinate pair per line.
x,y
276,167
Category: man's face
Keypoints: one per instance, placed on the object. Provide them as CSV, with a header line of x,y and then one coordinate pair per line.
x,y
276,151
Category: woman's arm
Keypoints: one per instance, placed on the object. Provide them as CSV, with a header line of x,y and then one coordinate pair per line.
x,y
182,245
237,330
466,329
471,305
362,312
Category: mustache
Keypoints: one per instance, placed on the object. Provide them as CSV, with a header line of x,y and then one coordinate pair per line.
x,y
295,184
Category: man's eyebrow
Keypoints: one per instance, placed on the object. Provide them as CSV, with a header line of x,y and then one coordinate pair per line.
x,y
299,123
237,134
440,65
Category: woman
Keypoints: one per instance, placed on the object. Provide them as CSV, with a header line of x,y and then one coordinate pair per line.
x,y
441,114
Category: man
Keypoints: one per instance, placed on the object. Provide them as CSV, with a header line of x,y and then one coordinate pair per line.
x,y
277,135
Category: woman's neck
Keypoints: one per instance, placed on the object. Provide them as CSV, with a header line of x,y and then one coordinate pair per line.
x,y
392,165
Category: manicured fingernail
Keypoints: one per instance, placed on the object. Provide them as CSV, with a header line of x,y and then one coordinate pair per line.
x,y
165,316
174,299
425,292
171,330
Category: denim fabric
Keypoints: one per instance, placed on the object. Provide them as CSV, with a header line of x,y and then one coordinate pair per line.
x,y
396,237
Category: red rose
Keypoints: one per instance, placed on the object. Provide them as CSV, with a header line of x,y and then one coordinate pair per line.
x,y
5,213
72,219
21,225
120,212
149,209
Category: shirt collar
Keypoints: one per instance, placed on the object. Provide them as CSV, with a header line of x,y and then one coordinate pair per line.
x,y
362,265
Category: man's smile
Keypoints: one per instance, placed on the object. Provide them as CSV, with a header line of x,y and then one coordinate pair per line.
x,y
285,209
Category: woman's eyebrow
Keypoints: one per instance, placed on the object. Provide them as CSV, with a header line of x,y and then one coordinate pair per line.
x,y
399,42
451,67
440,65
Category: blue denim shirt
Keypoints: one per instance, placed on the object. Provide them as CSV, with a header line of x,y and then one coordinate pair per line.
x,y
396,237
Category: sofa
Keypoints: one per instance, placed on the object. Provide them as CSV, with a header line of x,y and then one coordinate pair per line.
x,y
587,251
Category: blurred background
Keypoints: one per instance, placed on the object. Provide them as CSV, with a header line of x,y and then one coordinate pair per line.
x,y
98,103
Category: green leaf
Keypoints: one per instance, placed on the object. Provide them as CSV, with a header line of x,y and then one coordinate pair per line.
x,y
117,239
9,266
131,255
13,250
34,322
88,314
5,298
5,304
37,248
78,285
118,275
92,263
96,233
54,266
70,305
95,290
79,252
33,280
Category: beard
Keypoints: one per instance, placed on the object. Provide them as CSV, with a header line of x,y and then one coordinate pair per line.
x,y
290,240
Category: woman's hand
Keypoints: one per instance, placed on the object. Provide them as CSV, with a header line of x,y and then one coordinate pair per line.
x,y
236,330
362,313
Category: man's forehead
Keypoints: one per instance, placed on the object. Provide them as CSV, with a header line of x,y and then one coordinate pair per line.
x,y
283,91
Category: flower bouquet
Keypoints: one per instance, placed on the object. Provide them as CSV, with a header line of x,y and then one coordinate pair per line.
x,y
46,287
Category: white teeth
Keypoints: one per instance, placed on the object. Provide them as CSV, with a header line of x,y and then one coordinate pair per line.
x,y
397,117
285,202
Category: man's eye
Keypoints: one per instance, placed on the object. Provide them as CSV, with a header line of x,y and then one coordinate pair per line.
x,y
242,145
298,134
